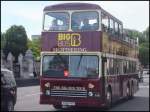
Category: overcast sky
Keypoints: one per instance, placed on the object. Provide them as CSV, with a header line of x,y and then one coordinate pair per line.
x,y
133,14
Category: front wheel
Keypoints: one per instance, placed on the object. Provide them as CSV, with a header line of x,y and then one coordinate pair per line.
x,y
108,99
128,92
131,92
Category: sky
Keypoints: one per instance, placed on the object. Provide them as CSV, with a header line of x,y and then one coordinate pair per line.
x,y
133,14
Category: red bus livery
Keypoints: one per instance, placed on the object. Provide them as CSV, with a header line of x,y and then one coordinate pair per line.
x,y
86,59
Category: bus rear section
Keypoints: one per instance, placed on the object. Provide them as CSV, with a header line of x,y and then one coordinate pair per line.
x,y
71,80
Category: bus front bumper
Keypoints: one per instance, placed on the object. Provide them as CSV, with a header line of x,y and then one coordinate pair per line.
x,y
77,102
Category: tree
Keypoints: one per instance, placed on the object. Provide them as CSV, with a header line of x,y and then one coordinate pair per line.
x,y
143,44
144,54
3,40
34,45
16,41
144,48
134,34
146,34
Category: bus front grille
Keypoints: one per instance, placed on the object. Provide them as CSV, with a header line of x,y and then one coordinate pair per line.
x,y
69,93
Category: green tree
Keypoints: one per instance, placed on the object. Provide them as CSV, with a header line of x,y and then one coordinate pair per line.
x,y
34,45
144,53
146,34
134,34
144,49
16,41
143,44
3,40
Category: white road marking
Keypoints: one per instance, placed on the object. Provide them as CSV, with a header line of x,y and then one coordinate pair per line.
x,y
28,95
143,86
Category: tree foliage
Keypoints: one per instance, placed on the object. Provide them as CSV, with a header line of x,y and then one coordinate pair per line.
x,y
3,40
34,45
144,54
16,41
143,44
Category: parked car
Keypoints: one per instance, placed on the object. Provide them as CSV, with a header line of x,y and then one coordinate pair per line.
x,y
8,90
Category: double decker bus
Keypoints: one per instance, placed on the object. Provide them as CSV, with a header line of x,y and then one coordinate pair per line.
x,y
86,59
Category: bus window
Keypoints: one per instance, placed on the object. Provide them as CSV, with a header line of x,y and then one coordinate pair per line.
x,y
130,67
111,29
77,66
111,66
120,31
85,66
56,21
85,21
116,29
124,66
105,22
108,66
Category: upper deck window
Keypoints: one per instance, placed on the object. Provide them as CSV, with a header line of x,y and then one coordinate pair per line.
x,y
85,21
105,22
56,21
111,26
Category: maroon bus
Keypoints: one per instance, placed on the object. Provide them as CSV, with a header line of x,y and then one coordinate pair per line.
x,y
86,59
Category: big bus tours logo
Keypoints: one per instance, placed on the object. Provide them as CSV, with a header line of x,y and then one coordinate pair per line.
x,y
68,40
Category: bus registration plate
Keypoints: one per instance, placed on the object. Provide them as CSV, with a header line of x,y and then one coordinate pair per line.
x,y
68,103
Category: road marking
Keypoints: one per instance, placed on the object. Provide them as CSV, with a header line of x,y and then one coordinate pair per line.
x,y
143,86
28,95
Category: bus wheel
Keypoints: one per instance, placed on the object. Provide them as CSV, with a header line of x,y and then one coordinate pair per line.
x,y
108,99
128,92
131,92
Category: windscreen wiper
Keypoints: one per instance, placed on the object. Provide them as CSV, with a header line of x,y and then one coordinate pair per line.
x,y
80,61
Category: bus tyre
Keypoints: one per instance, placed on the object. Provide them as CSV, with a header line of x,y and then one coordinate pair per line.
x,y
131,92
108,99
128,92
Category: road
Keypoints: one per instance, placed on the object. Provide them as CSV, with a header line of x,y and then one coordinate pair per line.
x,y
28,100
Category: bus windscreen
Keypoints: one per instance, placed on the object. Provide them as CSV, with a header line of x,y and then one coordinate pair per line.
x,y
86,66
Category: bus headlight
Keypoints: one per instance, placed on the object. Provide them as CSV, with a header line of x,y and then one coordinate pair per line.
x,y
47,92
90,93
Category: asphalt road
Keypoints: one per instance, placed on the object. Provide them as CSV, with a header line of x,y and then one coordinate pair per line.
x,y
28,100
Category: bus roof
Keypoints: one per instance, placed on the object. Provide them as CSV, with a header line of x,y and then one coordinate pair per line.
x,y
72,6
